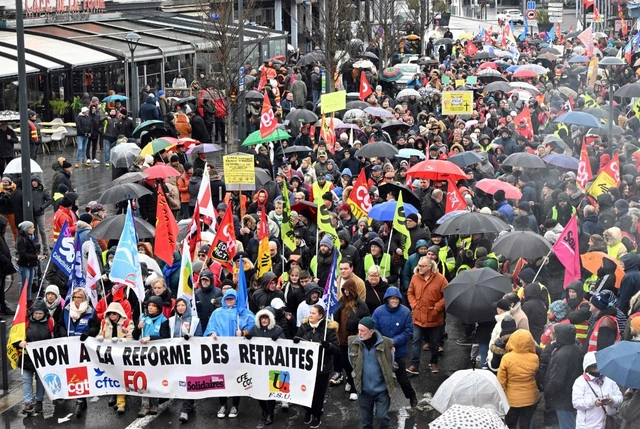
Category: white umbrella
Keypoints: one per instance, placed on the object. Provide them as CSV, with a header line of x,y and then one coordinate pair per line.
x,y
363,64
536,68
471,387
526,86
407,92
15,167
152,265
489,72
464,417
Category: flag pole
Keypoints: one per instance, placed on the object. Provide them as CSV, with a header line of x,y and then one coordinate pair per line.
x,y
22,363
388,249
544,260
46,268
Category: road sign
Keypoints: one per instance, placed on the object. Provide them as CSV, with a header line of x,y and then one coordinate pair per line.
x,y
531,5
531,14
556,11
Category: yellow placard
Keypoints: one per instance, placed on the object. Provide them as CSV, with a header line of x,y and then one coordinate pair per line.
x,y
459,82
457,102
333,102
239,170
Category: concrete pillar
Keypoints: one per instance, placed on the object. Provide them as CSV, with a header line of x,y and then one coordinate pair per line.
x,y
278,14
294,24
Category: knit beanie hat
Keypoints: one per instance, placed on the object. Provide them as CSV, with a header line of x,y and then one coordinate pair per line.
x,y
527,275
499,195
86,217
600,301
558,310
508,325
434,249
368,322
413,217
327,240
24,226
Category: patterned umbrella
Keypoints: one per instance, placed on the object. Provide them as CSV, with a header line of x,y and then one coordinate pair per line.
x,y
467,417
391,74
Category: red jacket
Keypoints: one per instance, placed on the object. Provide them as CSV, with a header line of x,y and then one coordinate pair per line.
x,y
103,304
61,215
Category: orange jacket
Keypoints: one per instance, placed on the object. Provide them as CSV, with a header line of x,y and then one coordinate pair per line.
x,y
243,202
427,299
183,126
183,187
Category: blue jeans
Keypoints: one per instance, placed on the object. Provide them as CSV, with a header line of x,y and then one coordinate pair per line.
x,y
566,419
107,150
316,96
81,153
366,402
484,351
430,334
27,387
26,274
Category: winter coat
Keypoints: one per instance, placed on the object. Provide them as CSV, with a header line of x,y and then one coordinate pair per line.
x,y
61,176
40,198
372,376
262,297
27,250
194,188
148,110
87,323
630,282
426,298
83,126
564,367
293,296
629,411
299,90
535,309
168,303
6,266
225,321
273,330
123,328
316,334
608,330
504,208
179,326
348,322
199,129
205,297
183,126
287,322
395,323
589,416
591,225
7,145
104,304
303,309
35,331
518,369
529,192
375,295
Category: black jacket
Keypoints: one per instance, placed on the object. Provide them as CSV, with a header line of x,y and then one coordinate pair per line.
x,y
565,366
205,299
287,322
535,310
83,125
375,295
61,177
262,297
316,335
199,130
353,319
6,144
6,266
36,331
41,198
27,250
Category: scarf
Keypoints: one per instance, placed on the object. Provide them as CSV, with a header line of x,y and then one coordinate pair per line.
x,y
77,312
53,306
315,325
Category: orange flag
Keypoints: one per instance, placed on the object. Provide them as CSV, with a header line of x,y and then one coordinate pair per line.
x,y
268,123
584,168
470,49
166,229
455,200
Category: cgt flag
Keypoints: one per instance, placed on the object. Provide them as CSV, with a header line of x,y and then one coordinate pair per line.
x,y
166,229
286,229
268,122
223,247
609,177
455,200
264,256
400,225
185,284
18,330
584,168
359,199
567,251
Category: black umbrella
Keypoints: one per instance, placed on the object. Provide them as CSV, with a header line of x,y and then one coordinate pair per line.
x,y
604,131
428,62
553,51
578,70
312,57
110,228
524,160
471,294
498,86
463,159
571,34
123,192
370,55
262,176
133,177
302,116
377,150
629,90
555,140
392,125
357,105
489,79
535,42
444,41
254,95
482,56
618,43
521,244
472,223
297,149
408,197
597,112
610,51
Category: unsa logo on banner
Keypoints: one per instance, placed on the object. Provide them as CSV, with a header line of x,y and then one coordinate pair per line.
x,y
53,383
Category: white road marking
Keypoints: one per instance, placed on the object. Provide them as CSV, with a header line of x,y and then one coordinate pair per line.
x,y
143,422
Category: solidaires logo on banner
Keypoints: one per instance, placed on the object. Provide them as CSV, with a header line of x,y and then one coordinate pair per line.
x,y
176,368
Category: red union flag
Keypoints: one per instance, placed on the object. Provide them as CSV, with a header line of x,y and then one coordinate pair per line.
x,y
268,123
470,49
359,200
223,247
567,251
166,229
584,168
365,88
586,37
609,177
455,200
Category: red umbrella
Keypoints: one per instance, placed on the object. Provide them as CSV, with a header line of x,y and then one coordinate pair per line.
x,y
520,73
489,65
436,170
491,186
186,142
306,205
161,171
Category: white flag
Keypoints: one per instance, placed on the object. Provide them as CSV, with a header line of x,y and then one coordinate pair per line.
x,y
204,199
93,275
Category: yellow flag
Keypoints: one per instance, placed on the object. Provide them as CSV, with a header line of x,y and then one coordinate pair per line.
x,y
288,234
264,258
609,177
636,108
18,330
400,225
324,224
589,102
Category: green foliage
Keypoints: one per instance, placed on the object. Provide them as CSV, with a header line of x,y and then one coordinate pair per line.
x,y
59,107
543,16
440,6
76,105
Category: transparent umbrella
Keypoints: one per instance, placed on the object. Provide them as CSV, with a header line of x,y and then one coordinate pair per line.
x,y
123,154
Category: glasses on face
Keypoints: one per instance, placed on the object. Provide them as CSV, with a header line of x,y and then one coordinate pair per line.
x,y
388,177
422,266
78,298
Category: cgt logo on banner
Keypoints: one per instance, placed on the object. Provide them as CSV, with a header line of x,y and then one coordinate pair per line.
x,y
194,369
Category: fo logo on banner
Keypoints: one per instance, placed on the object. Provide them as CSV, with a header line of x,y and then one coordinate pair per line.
x,y
53,383
78,381
279,382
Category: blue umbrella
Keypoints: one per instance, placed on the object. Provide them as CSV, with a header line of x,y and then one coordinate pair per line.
x,y
561,160
513,69
579,118
451,215
112,98
621,363
579,59
385,211
408,153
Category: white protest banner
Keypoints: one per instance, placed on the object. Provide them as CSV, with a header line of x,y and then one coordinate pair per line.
x,y
176,368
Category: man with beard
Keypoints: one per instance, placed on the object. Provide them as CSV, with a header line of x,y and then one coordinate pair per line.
x,y
377,256
562,211
348,251
321,263
267,292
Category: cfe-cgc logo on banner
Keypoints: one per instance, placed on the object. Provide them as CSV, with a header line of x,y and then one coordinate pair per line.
x,y
104,381
53,383
205,382
245,381
78,381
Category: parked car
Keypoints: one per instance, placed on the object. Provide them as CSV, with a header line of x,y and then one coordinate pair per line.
x,y
408,71
514,15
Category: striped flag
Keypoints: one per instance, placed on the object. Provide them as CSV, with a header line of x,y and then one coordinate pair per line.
x,y
18,330
330,295
185,284
93,275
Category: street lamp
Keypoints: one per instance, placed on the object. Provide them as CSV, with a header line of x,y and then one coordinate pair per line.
x,y
609,63
132,40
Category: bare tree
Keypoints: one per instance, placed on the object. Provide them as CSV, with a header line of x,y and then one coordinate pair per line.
x,y
223,29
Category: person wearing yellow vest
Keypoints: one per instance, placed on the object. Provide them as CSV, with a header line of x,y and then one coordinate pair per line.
x,y
615,248
562,210
319,188
526,276
35,139
604,331
376,256
579,313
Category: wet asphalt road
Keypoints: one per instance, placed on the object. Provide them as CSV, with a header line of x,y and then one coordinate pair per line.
x,y
339,411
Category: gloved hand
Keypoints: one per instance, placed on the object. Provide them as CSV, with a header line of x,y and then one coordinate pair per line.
x,y
186,337
275,337
248,336
325,344
84,336
296,340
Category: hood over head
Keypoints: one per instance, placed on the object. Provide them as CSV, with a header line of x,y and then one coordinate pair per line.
x,y
532,291
521,341
392,291
588,360
630,261
266,312
578,287
565,334
351,286
267,278
116,307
